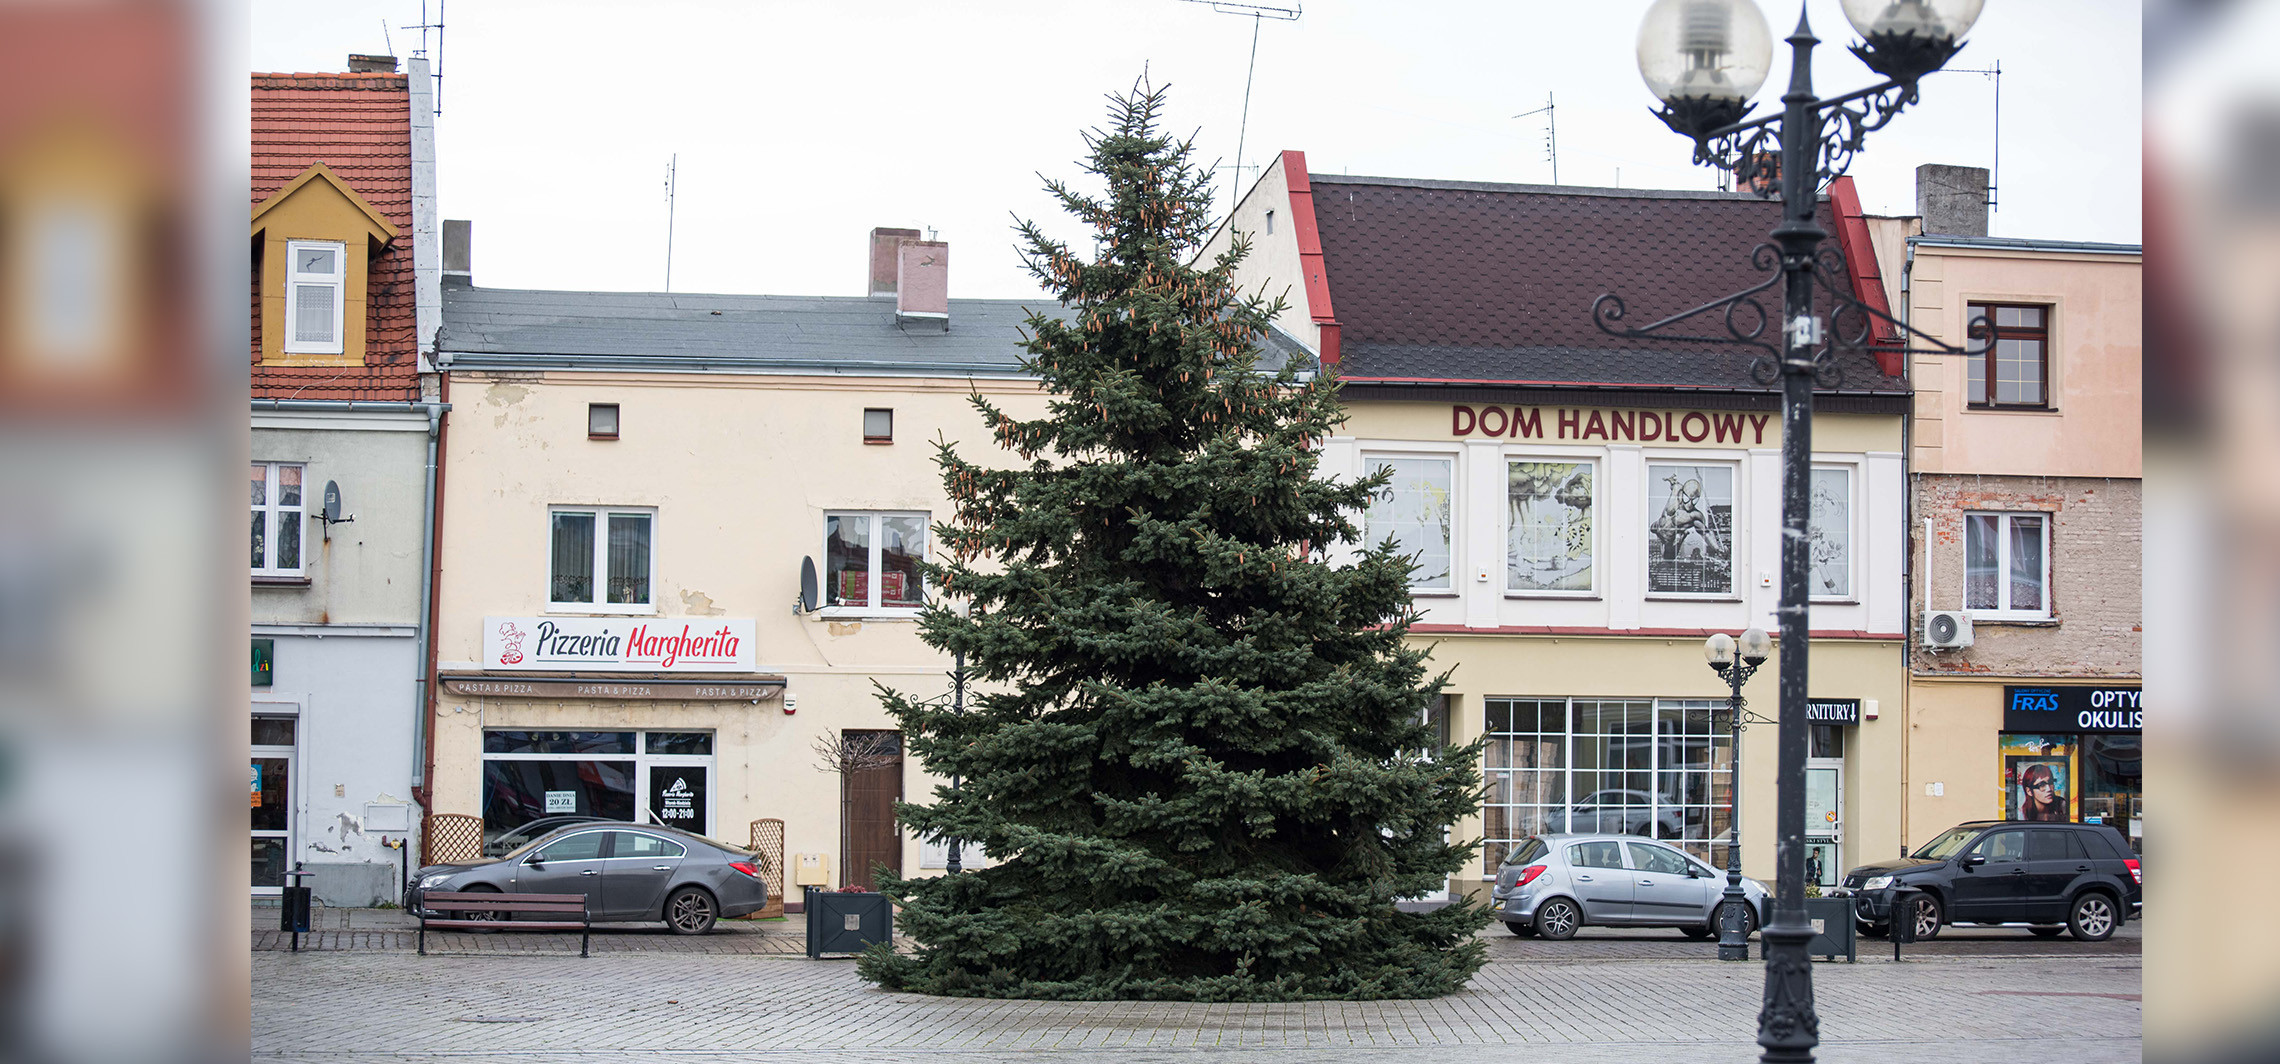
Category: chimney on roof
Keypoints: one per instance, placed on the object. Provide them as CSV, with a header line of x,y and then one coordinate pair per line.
x,y
458,255
922,283
885,263
371,64
1952,199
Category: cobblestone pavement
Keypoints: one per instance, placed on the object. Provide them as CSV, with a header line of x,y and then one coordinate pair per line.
x,y
1592,1004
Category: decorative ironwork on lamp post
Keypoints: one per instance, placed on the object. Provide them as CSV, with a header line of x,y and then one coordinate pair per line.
x,y
1735,661
951,865
1704,59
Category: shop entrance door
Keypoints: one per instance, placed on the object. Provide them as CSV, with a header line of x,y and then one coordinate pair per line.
x,y
679,794
873,839
1824,821
272,794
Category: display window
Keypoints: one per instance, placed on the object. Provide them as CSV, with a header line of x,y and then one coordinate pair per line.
x,y
1661,768
645,777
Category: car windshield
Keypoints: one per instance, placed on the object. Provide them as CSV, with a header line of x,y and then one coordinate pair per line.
x,y
1948,844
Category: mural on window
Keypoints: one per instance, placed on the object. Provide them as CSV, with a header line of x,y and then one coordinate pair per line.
x,y
1829,539
1413,508
1690,548
1548,547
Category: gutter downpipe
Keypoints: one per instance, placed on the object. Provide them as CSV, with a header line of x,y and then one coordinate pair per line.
x,y
1907,524
422,789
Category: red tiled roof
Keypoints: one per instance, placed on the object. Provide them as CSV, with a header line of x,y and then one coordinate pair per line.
x,y
359,126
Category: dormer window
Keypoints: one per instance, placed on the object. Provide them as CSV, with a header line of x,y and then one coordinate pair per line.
x,y
317,274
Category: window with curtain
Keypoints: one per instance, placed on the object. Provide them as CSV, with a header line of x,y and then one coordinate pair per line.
x,y
601,559
2006,565
871,560
318,272
278,512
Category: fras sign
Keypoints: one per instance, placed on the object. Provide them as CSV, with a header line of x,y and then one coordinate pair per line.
x,y
618,644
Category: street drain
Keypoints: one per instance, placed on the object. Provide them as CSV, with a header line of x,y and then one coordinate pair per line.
x,y
497,1019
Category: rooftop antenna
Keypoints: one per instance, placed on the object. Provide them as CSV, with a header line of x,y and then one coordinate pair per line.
x,y
1258,13
1551,133
387,40
436,70
1995,172
672,172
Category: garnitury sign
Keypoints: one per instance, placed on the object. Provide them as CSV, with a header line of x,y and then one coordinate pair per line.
x,y
618,644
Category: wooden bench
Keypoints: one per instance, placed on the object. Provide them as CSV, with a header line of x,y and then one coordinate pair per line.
x,y
506,907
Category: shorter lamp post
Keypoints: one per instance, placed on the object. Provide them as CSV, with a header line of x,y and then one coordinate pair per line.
x,y
952,865
1735,663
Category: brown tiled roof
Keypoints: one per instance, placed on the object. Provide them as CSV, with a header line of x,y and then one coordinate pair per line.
x,y
359,126
1439,282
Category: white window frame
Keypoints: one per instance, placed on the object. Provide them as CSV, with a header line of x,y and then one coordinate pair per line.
x,y
1738,535
1456,513
1597,462
273,519
2003,565
295,280
878,550
601,515
1852,530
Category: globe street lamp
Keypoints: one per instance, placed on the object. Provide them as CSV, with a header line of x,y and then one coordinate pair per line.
x,y
1736,663
1704,59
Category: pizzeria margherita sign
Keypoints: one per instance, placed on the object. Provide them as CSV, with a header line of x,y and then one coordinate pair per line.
x,y
618,644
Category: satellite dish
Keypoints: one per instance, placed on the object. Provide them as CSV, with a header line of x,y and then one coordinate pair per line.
x,y
809,589
332,501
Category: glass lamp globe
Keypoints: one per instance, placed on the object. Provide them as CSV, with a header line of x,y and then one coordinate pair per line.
x,y
1756,646
1719,650
1704,59
1907,39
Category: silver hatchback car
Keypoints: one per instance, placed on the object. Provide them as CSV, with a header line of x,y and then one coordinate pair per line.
x,y
1551,885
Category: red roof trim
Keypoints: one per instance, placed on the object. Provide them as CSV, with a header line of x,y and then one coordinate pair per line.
x,y
1549,384
1860,263
1310,255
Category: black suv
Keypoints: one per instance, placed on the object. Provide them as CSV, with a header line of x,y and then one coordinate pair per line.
x,y
2052,877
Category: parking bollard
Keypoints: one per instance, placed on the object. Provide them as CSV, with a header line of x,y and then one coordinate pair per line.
x,y
1903,918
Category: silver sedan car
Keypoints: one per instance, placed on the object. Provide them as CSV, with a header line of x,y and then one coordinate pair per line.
x,y
1550,885
626,872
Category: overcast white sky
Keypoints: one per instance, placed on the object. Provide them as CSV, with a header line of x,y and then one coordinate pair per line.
x,y
801,126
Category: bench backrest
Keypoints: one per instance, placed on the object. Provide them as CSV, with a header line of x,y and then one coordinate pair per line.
x,y
521,903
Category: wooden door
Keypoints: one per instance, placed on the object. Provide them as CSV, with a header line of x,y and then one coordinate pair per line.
x,y
873,839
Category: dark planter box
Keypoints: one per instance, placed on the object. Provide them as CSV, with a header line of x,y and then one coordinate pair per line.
x,y
843,923
1837,936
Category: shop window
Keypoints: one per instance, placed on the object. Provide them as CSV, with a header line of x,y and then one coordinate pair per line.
x,y
1826,740
1829,534
278,513
1549,545
878,426
1690,530
2006,566
1660,768
1414,509
639,777
318,276
2019,373
871,560
614,545
601,421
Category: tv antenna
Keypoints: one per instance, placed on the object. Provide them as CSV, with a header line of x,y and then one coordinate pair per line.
x,y
1259,13
672,173
1551,133
1994,172
437,71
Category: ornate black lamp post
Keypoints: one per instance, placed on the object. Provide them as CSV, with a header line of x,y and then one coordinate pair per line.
x,y
1736,664
1704,59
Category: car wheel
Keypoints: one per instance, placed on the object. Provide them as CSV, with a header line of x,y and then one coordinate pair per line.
x,y
1749,918
1700,932
2092,918
2050,931
1522,928
690,911
477,914
1924,913
1558,919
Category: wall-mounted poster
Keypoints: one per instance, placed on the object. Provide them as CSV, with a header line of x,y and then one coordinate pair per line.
x,y
1548,546
1829,535
2038,778
1690,529
1413,509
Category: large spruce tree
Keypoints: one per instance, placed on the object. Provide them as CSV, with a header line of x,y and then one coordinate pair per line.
x,y
1200,758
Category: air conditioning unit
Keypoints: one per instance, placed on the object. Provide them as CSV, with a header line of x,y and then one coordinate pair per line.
x,y
1947,629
